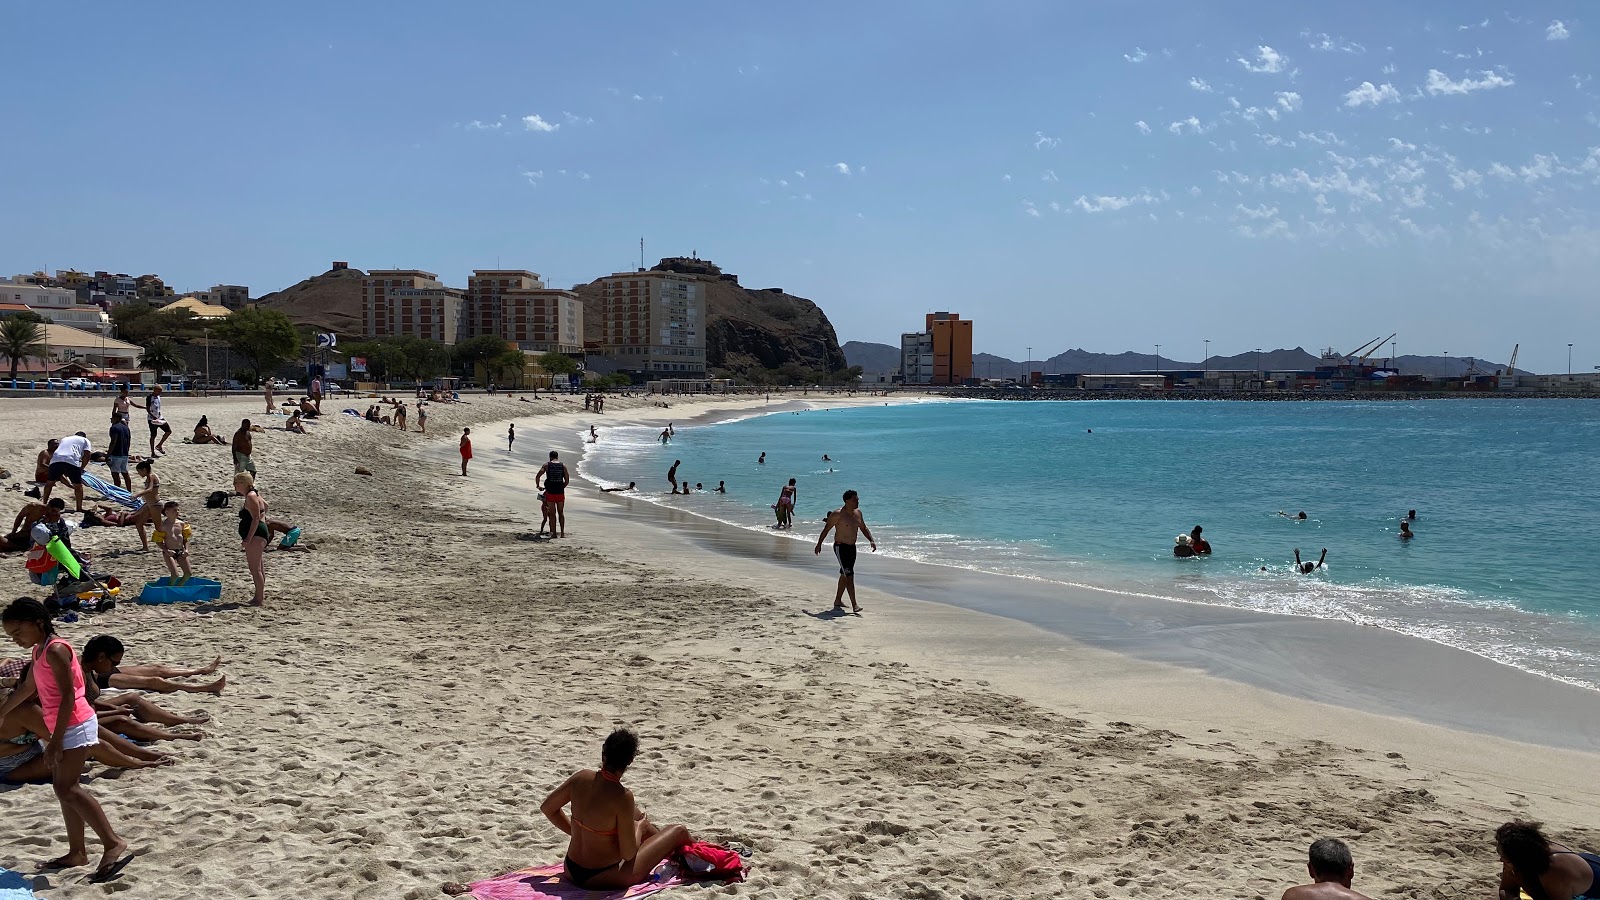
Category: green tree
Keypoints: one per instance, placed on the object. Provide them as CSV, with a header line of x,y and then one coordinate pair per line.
x,y
265,337
476,350
20,339
558,363
29,315
161,355
508,366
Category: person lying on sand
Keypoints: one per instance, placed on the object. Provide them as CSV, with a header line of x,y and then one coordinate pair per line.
x,y
631,486
1531,862
1331,868
102,663
22,761
1306,568
614,845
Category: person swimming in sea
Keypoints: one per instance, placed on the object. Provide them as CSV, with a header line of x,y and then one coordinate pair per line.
x,y
1201,546
1406,533
1181,547
1301,517
1306,568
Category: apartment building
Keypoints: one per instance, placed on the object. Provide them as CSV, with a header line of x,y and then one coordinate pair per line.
x,y
654,322
57,304
939,354
517,306
412,302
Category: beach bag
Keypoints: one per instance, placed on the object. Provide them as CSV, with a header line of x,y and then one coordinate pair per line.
x,y
710,862
39,561
217,500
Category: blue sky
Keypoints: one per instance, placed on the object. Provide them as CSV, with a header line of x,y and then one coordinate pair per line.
x,y
1107,176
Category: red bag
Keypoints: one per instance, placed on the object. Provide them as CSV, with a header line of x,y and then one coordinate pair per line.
x,y
39,561
710,862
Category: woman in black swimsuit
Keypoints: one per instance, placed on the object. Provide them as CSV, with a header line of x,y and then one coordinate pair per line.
x,y
613,844
253,533
1547,871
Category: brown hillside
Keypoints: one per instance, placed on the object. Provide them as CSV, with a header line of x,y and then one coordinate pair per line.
x,y
746,328
330,301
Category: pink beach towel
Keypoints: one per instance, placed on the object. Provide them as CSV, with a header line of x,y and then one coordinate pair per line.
x,y
548,883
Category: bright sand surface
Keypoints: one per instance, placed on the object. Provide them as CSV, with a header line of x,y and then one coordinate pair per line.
x,y
421,679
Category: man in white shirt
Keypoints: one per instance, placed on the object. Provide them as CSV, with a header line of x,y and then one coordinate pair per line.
x,y
152,411
67,463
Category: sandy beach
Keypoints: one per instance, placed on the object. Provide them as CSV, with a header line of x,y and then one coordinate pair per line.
x,y
421,679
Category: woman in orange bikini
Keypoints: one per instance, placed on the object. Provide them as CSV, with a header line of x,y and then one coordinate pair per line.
x,y
613,844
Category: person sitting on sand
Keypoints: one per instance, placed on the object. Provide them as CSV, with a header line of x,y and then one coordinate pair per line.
x,y
614,845
1545,870
295,424
1332,869
1306,568
20,537
308,410
203,433
1406,533
616,490
1181,547
102,661
1201,546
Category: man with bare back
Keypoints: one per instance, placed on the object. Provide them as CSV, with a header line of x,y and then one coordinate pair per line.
x,y
845,522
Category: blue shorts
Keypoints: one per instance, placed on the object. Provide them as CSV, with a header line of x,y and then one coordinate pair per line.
x,y
119,464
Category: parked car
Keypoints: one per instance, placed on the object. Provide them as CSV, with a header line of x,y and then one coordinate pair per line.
x,y
80,384
55,384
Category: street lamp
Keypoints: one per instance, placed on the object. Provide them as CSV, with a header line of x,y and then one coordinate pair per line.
x,y
207,331
1207,364
1158,359
1569,359
1259,376
1026,365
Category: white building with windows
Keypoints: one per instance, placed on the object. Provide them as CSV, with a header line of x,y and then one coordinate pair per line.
x,y
916,357
58,305
654,322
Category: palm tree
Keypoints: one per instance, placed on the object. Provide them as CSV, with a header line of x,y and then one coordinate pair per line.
x,y
20,339
161,354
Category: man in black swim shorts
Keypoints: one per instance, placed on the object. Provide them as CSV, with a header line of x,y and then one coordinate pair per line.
x,y
845,522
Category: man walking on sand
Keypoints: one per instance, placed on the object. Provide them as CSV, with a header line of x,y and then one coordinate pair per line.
x,y
158,422
554,489
243,446
844,522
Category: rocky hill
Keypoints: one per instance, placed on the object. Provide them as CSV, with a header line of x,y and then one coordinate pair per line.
x,y
746,329
875,358
330,301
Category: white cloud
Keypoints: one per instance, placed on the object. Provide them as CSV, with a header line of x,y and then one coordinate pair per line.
x,y
1326,44
842,168
1369,94
637,97
583,176
1199,84
1390,68
1005,177
1289,100
1234,102
531,176
1137,56
476,125
799,173
1414,197
1499,170
1397,144
1557,31
1143,128
535,123
1030,209
1194,190
1267,60
1049,175
1439,83
1041,141
1258,212
1339,181
1324,138
1192,123
575,119
1112,204
1055,206
1463,179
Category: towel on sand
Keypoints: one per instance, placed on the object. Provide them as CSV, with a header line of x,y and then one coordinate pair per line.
x,y
13,886
110,491
548,883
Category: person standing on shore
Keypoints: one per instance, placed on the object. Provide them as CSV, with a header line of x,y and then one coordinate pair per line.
x,y
554,474
266,391
672,474
316,393
422,417
466,450
253,533
117,451
243,446
158,422
122,401
56,678
511,436
845,522
787,498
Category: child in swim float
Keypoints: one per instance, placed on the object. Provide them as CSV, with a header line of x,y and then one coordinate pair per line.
x,y
173,536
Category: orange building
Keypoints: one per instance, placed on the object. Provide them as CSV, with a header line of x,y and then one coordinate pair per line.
x,y
951,337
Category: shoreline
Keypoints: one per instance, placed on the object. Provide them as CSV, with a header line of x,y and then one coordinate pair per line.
x,y
1361,667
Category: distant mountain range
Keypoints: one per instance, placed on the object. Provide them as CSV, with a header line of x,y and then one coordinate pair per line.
x,y
885,358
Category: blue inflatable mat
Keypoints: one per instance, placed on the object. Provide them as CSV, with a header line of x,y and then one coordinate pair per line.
x,y
195,590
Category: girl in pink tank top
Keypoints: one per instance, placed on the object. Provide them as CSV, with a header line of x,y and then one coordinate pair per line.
x,y
57,680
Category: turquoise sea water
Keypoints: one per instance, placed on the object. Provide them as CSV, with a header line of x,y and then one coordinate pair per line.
x,y
1505,492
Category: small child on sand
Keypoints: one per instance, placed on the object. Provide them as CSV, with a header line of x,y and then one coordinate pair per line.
x,y
466,449
173,535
